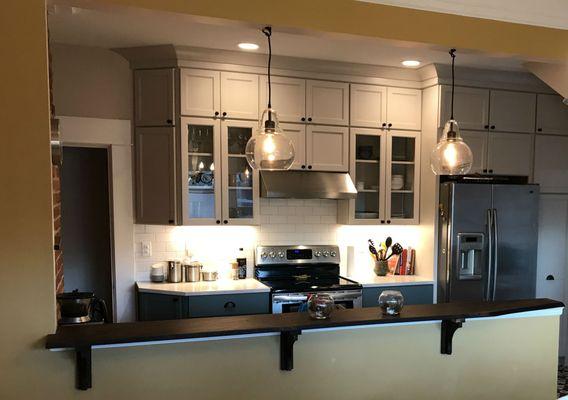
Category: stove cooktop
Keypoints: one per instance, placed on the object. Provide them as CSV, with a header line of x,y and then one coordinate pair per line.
x,y
311,284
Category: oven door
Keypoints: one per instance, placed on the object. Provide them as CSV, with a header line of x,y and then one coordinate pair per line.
x,y
296,302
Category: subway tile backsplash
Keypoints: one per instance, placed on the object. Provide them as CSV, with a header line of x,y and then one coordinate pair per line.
x,y
282,222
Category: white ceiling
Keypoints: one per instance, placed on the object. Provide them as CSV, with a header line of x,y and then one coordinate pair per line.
x,y
549,13
129,28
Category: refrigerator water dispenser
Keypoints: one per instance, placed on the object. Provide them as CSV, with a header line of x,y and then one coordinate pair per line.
x,y
470,253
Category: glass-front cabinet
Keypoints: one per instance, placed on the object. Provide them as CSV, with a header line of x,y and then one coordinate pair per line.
x,y
218,185
240,181
402,177
384,168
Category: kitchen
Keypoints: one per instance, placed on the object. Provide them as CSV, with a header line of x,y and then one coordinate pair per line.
x,y
188,205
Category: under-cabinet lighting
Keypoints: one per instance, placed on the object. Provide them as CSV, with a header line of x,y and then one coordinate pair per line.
x,y
411,63
248,46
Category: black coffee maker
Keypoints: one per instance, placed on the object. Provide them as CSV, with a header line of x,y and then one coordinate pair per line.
x,y
80,308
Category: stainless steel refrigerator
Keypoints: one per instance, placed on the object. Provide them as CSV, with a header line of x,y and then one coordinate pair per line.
x,y
487,235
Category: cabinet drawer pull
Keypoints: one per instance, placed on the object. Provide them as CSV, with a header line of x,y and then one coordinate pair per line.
x,y
550,278
229,305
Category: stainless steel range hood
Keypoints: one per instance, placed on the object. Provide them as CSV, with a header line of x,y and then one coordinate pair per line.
x,y
306,185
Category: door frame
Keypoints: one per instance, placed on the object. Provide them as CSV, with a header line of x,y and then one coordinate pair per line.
x,y
116,136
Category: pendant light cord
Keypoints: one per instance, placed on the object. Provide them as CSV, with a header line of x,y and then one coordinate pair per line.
x,y
268,32
453,55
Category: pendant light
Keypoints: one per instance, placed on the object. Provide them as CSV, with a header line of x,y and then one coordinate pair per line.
x,y
451,156
270,149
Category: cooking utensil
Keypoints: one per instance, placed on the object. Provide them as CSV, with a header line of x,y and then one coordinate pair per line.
x,y
373,250
174,271
192,271
388,243
396,250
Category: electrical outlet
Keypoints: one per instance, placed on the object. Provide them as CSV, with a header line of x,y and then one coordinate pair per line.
x,y
146,248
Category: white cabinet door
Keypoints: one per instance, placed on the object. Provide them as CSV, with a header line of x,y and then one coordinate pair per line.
x,y
510,154
327,102
404,108
368,106
288,97
477,142
512,111
327,148
551,163
551,115
471,107
154,97
297,134
200,93
239,95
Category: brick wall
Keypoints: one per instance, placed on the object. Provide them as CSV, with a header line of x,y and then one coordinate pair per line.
x,y
58,254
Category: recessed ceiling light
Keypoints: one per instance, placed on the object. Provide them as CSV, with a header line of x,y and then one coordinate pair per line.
x,y
411,63
248,46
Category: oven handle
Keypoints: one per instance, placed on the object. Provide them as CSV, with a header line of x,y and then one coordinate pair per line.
x,y
337,296
286,298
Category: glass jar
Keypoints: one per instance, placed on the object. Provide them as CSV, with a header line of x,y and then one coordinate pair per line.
x,y
391,302
320,305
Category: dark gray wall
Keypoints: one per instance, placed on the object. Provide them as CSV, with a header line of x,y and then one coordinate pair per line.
x,y
85,218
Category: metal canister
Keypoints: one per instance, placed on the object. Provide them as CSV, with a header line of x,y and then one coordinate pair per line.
x,y
174,271
192,271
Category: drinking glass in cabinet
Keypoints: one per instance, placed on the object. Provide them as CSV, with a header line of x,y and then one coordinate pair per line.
x,y
402,177
238,138
367,176
201,171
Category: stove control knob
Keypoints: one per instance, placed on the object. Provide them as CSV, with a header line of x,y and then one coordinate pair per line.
x,y
263,255
280,254
272,254
317,254
325,253
333,254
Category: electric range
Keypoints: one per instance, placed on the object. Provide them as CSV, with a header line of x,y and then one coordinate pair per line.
x,y
294,272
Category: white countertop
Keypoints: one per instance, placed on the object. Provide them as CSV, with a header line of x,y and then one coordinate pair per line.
x,y
372,280
224,286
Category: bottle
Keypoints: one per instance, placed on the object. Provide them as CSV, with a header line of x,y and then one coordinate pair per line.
x,y
242,262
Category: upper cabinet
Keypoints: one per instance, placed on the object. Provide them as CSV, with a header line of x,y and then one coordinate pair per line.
x,y
477,142
288,97
386,108
307,101
404,108
327,148
512,111
551,163
471,107
200,92
154,97
297,134
552,115
368,106
206,93
327,102
484,109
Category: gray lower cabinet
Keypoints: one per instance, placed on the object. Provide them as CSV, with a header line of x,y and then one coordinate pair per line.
x,y
415,294
154,307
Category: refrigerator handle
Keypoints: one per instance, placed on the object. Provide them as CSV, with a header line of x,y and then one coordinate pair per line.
x,y
496,258
490,253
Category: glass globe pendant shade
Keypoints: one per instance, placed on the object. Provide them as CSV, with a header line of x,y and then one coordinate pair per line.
x,y
451,156
270,149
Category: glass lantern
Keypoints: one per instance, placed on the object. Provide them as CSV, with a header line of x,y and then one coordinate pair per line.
x,y
320,305
451,156
391,302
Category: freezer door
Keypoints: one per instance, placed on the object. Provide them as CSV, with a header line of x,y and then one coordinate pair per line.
x,y
468,230
516,239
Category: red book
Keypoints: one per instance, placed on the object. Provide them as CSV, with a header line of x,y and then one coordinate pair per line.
x,y
404,257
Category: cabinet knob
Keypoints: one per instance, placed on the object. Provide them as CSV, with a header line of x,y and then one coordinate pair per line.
x,y
303,119
382,221
224,114
303,167
309,119
175,299
216,113
309,167
170,221
484,170
169,121
539,130
490,171
486,126
225,221
388,221
492,126
230,305
389,125
384,125
218,221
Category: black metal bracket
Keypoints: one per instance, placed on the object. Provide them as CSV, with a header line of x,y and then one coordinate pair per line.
x,y
449,327
287,340
83,368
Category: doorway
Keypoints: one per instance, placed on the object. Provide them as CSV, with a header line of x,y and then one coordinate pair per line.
x,y
86,224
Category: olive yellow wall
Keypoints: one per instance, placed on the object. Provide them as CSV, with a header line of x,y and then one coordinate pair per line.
x,y
493,359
